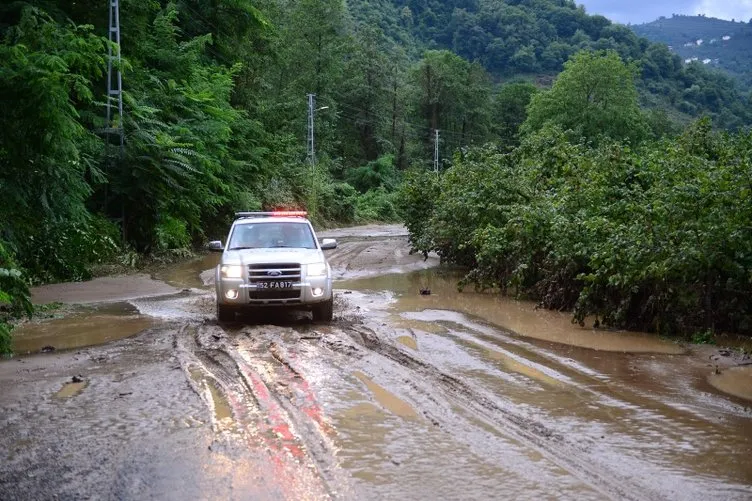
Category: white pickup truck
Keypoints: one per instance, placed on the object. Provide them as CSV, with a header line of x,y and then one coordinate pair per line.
x,y
273,260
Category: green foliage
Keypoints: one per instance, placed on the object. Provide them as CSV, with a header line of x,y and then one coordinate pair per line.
x,y
453,95
375,174
171,233
376,205
655,237
510,110
338,202
15,300
215,121
519,38
47,157
595,97
416,200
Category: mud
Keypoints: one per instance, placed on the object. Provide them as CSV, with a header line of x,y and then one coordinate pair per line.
x,y
117,288
403,395
82,327
521,317
736,381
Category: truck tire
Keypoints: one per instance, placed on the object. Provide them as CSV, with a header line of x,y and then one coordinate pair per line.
x,y
323,312
225,313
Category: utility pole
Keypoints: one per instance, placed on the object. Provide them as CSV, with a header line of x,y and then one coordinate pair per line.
x,y
311,157
114,87
311,152
436,151
114,124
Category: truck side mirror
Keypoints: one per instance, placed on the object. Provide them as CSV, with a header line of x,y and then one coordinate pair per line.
x,y
328,243
216,246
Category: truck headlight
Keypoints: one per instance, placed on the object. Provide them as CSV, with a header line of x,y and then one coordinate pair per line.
x,y
231,271
317,269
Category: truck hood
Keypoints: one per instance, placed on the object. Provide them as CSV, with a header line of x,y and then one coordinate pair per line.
x,y
275,255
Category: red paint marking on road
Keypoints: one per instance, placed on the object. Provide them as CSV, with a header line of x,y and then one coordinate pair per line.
x,y
273,411
280,442
310,405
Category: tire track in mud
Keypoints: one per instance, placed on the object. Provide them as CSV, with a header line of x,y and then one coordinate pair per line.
x,y
570,456
263,392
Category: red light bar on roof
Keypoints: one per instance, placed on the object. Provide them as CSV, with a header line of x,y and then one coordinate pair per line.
x,y
277,213
290,213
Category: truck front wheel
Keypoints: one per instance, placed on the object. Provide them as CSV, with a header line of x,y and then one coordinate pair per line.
x,y
225,313
323,312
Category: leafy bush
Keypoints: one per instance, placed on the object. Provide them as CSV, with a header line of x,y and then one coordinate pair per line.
x,y
656,238
15,299
62,250
338,202
416,199
376,205
171,233
375,174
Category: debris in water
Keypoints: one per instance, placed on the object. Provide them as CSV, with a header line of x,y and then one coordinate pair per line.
x,y
47,349
77,379
425,291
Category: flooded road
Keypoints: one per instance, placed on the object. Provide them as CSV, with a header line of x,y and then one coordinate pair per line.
x,y
444,395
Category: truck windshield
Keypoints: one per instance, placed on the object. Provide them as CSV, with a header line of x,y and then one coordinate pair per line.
x,y
267,235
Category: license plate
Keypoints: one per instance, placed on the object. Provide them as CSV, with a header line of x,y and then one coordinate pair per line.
x,y
277,284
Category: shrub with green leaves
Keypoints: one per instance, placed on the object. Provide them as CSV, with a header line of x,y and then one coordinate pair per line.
x,y
376,205
655,238
15,300
375,174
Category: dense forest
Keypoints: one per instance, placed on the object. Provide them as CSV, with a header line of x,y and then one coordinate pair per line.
x,y
215,114
718,43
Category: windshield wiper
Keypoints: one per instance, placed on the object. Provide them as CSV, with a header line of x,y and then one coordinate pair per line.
x,y
241,247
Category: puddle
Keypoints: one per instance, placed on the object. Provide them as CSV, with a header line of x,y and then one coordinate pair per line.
x,y
736,381
220,405
408,341
386,399
520,317
196,274
71,389
87,327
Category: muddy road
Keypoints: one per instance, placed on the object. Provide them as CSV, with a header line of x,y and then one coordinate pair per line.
x,y
402,396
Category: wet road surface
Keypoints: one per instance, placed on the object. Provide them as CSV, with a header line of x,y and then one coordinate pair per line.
x,y
440,396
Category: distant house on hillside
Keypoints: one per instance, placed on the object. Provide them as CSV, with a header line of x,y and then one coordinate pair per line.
x,y
726,38
699,41
706,61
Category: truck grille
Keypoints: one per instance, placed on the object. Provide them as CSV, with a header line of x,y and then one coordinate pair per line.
x,y
274,272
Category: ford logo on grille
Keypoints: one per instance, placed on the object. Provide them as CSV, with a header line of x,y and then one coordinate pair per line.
x,y
274,273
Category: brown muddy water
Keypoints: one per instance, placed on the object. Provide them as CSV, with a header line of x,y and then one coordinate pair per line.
x,y
521,317
86,326
196,273
641,409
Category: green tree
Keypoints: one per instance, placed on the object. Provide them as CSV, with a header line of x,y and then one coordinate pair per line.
x,y
48,158
595,96
452,95
509,110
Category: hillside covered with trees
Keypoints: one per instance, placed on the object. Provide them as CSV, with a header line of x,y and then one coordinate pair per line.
x,y
532,40
714,42
215,114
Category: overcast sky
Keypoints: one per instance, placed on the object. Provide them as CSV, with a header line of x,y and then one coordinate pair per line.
x,y
642,11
